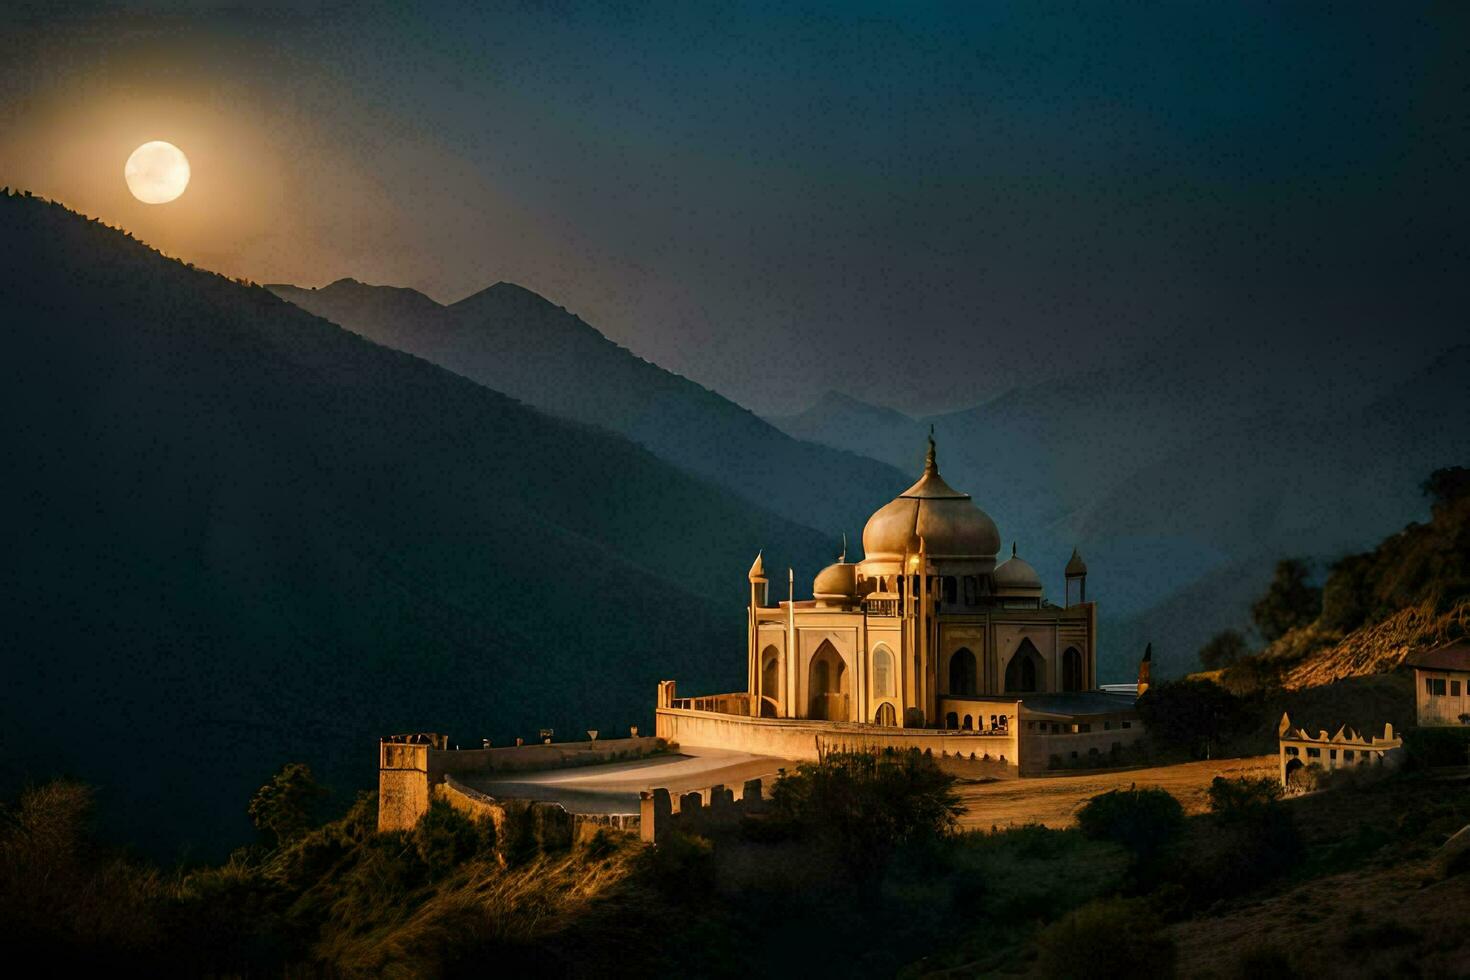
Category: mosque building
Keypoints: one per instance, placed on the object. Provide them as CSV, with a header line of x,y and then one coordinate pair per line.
x,y
929,636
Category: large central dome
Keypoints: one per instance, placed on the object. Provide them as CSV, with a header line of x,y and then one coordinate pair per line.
x,y
948,521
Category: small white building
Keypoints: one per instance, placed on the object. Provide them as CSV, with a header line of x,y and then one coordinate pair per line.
x,y
1300,750
1442,683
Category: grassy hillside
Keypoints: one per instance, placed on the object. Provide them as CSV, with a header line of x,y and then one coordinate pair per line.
x,y
512,340
1410,593
1138,888
239,533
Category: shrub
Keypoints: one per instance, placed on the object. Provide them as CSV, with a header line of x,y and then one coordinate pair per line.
x,y
1142,820
443,838
1223,650
1237,799
1106,938
282,809
1252,840
864,805
1194,713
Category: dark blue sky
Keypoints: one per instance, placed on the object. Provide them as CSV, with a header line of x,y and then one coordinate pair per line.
x,y
920,205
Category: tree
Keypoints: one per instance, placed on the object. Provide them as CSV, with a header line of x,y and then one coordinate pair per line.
x,y
864,805
282,809
1142,820
1290,601
1195,714
1447,485
1223,650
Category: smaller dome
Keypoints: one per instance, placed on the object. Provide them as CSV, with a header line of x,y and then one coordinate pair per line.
x,y
1075,565
836,581
1016,575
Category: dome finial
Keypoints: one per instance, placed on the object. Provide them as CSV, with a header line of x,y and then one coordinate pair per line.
x,y
1013,549
842,558
929,465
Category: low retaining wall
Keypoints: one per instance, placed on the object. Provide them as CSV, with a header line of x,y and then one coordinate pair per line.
x,y
409,771
698,810
802,739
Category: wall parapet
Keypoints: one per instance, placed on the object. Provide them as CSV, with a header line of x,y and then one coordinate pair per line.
x,y
411,767
805,739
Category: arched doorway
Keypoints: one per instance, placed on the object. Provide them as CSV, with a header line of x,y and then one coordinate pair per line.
x,y
962,672
968,723
1025,669
886,715
1072,670
827,685
771,675
882,672
952,720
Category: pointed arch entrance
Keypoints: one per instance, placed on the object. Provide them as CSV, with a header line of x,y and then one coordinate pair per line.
x,y
886,715
771,682
1072,673
1025,670
962,672
827,685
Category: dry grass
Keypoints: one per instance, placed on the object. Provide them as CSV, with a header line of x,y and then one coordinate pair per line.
x,y
1373,649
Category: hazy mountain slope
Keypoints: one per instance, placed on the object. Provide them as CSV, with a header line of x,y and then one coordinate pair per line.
x,y
1182,487
514,341
845,422
241,535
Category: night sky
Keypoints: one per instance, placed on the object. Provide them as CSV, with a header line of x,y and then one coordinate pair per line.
x,y
920,206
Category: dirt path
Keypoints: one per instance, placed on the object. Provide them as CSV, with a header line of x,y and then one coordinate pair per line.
x,y
1054,800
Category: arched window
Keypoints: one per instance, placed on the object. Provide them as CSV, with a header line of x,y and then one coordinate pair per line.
x,y
1024,669
882,673
771,673
962,672
886,715
969,723
952,720
1072,670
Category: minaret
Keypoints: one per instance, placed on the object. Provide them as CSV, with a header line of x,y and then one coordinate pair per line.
x,y
1144,666
1076,575
757,577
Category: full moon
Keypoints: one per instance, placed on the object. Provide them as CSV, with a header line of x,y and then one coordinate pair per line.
x,y
157,172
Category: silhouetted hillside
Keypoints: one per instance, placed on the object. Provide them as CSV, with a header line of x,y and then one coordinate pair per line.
x,y
241,534
510,339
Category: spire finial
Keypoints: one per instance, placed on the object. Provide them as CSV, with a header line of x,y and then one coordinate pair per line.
x,y
1013,549
929,465
842,558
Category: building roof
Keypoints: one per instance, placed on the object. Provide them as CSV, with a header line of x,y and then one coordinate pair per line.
x,y
1015,574
1451,656
1069,704
1075,704
947,520
1075,565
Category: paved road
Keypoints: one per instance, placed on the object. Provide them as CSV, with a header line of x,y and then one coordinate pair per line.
x,y
614,787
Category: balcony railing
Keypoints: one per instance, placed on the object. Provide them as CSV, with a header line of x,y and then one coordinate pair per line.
x,y
880,607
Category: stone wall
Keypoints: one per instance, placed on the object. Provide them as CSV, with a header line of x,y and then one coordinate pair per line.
x,y
805,740
697,811
409,771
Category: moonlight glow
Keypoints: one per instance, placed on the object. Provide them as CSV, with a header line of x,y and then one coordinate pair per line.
x,y
157,172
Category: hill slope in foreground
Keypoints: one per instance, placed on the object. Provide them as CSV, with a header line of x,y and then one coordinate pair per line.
x,y
240,535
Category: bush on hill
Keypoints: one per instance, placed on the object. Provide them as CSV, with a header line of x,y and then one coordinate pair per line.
x,y
1142,820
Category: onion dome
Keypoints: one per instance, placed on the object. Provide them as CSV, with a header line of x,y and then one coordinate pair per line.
x,y
948,521
1015,576
1075,565
836,581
